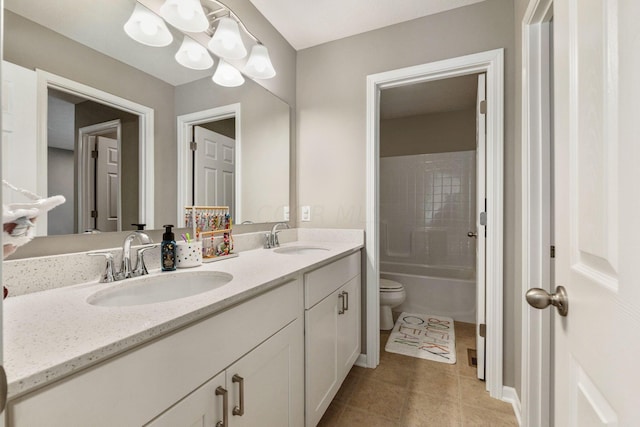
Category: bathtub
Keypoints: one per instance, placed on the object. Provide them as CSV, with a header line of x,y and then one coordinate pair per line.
x,y
435,290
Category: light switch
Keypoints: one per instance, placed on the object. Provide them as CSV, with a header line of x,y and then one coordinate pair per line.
x,y
306,213
286,213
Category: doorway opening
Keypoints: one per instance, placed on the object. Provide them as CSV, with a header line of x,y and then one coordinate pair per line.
x,y
432,193
216,133
213,164
140,200
491,64
99,178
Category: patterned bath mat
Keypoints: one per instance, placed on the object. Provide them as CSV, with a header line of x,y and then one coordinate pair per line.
x,y
424,336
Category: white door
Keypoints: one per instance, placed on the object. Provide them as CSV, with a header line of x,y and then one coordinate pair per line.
x,y
215,169
107,190
597,205
481,137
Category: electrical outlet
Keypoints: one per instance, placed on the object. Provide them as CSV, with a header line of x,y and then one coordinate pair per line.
x,y
306,213
286,213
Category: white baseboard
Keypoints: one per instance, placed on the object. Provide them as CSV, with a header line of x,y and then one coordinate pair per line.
x,y
510,395
362,361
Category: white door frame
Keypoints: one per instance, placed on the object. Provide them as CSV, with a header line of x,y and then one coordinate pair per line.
x,y
185,122
145,115
536,324
489,62
83,154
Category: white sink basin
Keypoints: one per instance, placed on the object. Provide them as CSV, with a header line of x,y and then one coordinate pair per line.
x,y
299,250
158,288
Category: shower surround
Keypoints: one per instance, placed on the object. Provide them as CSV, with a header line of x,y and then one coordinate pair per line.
x,y
427,207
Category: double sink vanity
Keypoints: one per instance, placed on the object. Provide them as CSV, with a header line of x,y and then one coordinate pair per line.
x,y
265,338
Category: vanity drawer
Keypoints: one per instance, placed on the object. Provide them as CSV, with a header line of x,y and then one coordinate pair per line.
x,y
323,281
136,386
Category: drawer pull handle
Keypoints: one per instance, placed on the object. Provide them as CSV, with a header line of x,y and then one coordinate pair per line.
x,y
341,297
239,410
220,391
346,299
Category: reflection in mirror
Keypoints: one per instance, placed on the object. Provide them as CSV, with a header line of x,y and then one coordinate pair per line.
x,y
254,132
92,150
85,42
213,164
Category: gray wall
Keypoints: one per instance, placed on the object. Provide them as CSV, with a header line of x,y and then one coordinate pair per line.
x,y
331,110
428,133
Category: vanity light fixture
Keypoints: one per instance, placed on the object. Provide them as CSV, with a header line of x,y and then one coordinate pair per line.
x,y
147,28
193,55
259,65
227,75
226,42
219,29
185,15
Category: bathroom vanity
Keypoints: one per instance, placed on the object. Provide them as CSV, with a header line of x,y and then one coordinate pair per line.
x,y
237,354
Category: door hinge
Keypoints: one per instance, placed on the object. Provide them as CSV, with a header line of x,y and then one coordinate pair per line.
x,y
483,218
483,107
193,145
94,154
94,214
483,330
553,251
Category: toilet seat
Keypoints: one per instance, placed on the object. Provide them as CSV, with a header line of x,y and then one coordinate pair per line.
x,y
387,285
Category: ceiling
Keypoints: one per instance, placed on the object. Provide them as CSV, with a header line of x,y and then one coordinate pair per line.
x,y
439,96
98,25
307,23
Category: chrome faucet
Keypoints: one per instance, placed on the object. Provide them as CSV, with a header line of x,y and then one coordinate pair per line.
x,y
140,269
125,267
273,237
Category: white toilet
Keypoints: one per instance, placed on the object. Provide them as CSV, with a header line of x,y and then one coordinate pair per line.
x,y
392,294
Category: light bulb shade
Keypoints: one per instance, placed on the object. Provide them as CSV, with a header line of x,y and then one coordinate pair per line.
x,y
226,41
259,64
193,55
227,75
147,28
185,15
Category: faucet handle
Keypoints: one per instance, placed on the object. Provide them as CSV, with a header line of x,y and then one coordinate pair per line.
x,y
276,241
109,273
267,241
141,268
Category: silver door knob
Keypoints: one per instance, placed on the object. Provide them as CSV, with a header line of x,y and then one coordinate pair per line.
x,y
539,298
472,234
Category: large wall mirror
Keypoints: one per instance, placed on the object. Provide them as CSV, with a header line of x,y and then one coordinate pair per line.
x,y
84,43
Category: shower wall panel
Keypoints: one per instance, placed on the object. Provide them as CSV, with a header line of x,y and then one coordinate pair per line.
x,y
427,207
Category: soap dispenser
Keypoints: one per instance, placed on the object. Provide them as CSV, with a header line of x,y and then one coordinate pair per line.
x,y
168,249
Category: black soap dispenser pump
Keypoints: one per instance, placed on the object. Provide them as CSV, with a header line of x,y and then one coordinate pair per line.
x,y
168,249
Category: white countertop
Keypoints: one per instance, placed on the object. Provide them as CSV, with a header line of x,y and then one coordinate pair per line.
x,y
51,334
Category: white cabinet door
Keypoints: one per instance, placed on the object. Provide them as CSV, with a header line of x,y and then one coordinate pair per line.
x,y
349,326
332,338
272,382
321,359
271,377
202,408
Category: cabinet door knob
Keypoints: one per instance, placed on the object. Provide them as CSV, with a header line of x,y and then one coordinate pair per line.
x,y
341,298
239,410
221,391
